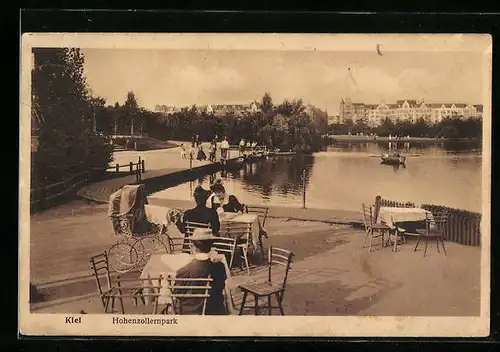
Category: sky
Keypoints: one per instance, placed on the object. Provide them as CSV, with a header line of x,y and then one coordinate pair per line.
x,y
182,77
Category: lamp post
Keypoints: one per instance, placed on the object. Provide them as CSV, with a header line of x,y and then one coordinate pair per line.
x,y
303,189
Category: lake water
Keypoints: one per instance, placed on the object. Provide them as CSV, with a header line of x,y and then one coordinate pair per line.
x,y
343,176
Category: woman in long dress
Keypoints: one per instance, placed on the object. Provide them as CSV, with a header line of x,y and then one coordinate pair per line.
x,y
201,154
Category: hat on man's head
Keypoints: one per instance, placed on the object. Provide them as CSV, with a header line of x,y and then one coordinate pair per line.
x,y
202,235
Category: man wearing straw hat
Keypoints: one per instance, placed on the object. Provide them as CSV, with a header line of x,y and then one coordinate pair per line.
x,y
201,267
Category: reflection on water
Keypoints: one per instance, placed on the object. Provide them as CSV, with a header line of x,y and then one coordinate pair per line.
x,y
344,176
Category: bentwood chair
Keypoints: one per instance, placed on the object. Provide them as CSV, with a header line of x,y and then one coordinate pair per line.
x,y
372,229
277,258
181,289
242,234
136,289
175,244
190,227
100,268
261,211
434,229
225,246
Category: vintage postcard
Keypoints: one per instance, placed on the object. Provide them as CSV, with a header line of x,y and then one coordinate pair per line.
x,y
255,185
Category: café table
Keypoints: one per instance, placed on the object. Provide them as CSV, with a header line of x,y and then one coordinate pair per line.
x,y
394,217
158,215
391,216
168,264
253,219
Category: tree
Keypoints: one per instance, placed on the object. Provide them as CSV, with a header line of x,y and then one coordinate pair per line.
x,y
267,109
98,112
131,110
386,127
281,132
67,142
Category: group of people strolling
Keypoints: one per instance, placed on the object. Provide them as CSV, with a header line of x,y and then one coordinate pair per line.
x,y
197,152
248,146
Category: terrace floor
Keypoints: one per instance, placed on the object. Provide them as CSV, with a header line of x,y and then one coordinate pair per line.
x,y
332,274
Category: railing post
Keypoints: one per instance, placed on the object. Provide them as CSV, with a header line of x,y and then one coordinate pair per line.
x,y
304,188
131,164
117,167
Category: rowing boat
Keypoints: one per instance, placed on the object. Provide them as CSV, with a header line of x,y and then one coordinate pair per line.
x,y
389,159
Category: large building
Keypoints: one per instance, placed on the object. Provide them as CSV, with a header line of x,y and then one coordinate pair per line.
x,y
405,110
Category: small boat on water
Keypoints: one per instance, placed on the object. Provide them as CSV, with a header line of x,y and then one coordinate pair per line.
x,y
393,159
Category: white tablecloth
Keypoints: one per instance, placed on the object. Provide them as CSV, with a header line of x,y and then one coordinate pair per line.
x,y
158,215
393,215
165,264
252,219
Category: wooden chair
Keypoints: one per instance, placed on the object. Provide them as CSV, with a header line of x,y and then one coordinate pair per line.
x,y
434,229
176,244
100,267
261,211
372,229
226,246
242,234
188,288
277,257
136,289
190,227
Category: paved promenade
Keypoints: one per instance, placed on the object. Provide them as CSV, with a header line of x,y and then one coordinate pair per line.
x,y
158,163
332,273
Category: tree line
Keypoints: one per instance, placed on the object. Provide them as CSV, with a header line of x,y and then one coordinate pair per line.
x,y
290,125
449,127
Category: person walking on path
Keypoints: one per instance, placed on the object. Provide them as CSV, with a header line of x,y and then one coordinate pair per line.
x,y
248,146
201,154
242,146
213,149
224,148
211,152
183,151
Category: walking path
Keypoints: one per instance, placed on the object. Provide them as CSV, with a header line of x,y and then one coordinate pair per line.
x,y
158,163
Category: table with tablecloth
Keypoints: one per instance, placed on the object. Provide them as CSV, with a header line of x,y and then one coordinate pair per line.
x,y
165,264
252,219
391,216
159,215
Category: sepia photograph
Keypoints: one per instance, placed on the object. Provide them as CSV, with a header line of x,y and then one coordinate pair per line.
x,y
255,184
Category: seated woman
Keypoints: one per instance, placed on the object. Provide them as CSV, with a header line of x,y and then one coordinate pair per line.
x,y
202,267
200,213
220,199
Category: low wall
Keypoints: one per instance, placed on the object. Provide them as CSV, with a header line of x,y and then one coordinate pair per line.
x,y
155,184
